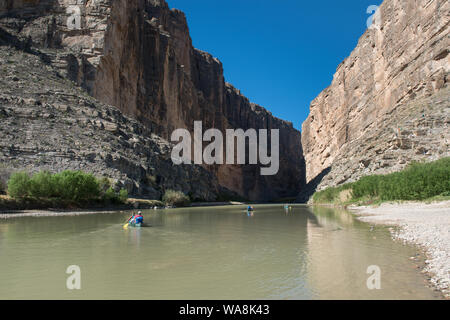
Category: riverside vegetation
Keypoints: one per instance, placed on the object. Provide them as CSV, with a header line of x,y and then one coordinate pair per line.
x,y
71,189
67,189
176,198
419,181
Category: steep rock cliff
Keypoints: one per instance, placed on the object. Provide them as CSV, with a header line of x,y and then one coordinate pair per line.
x,y
138,56
388,103
48,123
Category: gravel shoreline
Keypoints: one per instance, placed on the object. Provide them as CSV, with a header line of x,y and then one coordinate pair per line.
x,y
425,225
47,213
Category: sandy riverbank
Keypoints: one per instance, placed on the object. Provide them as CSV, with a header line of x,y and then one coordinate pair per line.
x,y
48,213
425,225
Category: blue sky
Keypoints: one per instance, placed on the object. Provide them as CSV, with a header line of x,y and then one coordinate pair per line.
x,y
280,53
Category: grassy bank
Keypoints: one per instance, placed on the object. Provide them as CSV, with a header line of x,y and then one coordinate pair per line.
x,y
418,182
64,190
8,204
73,190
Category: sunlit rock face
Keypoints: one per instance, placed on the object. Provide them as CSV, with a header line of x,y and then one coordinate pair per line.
x,y
138,56
388,103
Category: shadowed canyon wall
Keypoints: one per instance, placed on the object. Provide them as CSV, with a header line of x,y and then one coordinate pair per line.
x,y
138,56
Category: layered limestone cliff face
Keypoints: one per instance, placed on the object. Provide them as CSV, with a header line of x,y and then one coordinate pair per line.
x,y
138,56
388,103
48,123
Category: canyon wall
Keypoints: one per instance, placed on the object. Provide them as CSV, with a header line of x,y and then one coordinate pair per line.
x,y
48,123
388,103
138,56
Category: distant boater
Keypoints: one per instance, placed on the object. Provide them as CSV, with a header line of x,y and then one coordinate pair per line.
x,y
135,220
139,219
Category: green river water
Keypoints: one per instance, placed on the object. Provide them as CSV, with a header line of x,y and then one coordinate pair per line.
x,y
206,253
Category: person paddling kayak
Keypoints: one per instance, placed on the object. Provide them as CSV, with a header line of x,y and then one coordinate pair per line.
x,y
136,219
139,219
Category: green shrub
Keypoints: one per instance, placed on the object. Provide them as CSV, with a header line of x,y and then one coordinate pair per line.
x,y
110,196
66,188
75,185
68,185
19,185
41,185
123,196
330,195
419,181
366,186
175,198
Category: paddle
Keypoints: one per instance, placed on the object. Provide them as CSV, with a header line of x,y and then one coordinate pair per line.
x,y
125,226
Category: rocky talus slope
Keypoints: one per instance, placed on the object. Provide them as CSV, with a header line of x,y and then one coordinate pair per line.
x,y
138,56
419,131
47,123
388,103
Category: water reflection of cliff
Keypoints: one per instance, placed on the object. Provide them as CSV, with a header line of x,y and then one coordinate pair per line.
x,y
341,248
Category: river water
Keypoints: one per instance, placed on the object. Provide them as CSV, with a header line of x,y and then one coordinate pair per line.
x,y
206,253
